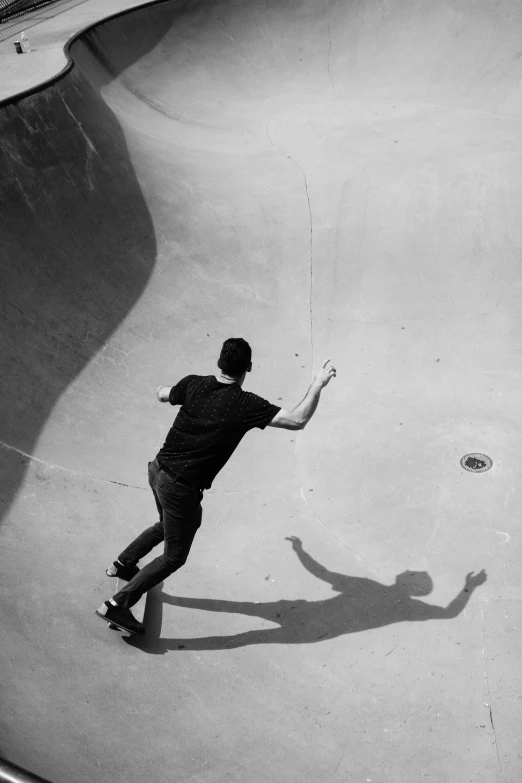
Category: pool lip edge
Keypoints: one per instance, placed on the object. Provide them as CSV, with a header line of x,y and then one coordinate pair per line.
x,y
52,80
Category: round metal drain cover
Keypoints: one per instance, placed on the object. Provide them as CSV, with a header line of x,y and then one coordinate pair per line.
x,y
476,463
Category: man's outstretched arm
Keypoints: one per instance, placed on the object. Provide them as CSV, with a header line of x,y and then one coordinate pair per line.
x,y
456,606
309,563
163,393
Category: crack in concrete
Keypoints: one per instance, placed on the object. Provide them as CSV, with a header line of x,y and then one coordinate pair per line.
x,y
289,157
238,45
361,559
341,759
311,260
330,45
67,470
111,481
270,138
40,325
91,149
488,691
225,30
31,320
89,143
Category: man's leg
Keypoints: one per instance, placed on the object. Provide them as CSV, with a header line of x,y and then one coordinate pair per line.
x,y
181,517
150,537
126,568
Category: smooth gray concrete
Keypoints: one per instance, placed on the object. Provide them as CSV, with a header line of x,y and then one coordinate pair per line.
x,y
337,179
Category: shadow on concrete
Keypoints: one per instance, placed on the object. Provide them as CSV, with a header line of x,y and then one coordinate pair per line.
x,y
77,241
361,605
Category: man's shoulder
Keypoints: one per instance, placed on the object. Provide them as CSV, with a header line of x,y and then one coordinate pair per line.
x,y
188,378
253,397
258,406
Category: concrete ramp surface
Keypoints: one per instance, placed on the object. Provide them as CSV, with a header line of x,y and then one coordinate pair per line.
x,y
325,179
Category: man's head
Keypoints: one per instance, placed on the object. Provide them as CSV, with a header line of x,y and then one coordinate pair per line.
x,y
235,358
414,582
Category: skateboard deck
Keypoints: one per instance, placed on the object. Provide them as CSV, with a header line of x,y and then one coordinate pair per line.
x,y
138,610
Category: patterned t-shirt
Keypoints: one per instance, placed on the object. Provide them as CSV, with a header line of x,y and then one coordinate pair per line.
x,y
210,424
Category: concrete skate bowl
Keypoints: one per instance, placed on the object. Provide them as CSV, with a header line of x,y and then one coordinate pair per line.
x,y
324,179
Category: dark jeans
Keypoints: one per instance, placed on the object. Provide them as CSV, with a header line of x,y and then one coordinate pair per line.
x,y
180,512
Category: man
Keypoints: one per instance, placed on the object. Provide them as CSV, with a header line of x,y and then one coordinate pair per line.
x,y
214,416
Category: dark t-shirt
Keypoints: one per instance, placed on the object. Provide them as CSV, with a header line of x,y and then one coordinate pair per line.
x,y
212,419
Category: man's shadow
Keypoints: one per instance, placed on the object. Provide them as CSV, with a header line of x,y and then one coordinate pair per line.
x,y
360,604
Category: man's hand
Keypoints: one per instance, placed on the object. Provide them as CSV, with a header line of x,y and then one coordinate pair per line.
x,y
296,542
325,374
163,393
474,580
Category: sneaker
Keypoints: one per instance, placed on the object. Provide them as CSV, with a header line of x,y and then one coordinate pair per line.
x,y
121,571
121,618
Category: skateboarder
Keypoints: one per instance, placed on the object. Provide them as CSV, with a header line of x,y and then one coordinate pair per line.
x,y
214,416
